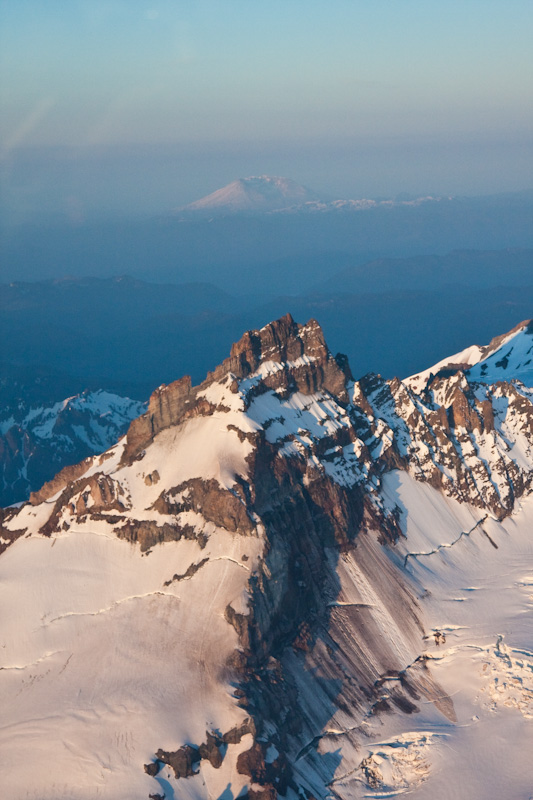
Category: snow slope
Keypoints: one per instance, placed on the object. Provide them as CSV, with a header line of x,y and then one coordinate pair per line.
x,y
507,357
470,355
107,662
477,589
510,358
113,650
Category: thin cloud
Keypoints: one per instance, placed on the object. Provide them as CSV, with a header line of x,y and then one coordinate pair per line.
x,y
27,125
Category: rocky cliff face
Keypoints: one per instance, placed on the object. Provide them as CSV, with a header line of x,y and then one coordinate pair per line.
x,y
456,436
276,466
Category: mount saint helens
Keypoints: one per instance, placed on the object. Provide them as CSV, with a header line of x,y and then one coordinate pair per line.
x,y
283,583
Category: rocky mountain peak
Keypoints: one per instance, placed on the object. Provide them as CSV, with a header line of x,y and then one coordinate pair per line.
x,y
274,567
280,342
283,355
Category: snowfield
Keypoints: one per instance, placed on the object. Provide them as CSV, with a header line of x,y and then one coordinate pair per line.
x,y
102,661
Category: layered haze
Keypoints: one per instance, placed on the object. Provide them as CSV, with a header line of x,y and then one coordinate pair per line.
x,y
136,108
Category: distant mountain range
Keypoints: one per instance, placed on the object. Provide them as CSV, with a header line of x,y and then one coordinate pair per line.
x,y
263,236
128,335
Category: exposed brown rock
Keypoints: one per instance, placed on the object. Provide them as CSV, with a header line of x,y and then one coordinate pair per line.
x,y
95,494
234,735
6,535
206,497
268,793
189,572
100,492
252,763
152,478
182,761
148,533
462,414
240,623
303,638
273,777
487,415
165,408
210,750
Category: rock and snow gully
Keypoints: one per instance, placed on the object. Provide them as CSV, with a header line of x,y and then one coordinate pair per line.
x,y
282,583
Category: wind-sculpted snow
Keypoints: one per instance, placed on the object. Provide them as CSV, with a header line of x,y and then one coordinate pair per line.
x,y
281,583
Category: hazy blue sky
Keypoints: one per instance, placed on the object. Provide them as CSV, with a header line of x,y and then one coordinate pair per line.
x,y
140,105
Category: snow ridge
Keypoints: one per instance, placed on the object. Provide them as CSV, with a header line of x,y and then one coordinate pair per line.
x,y
506,357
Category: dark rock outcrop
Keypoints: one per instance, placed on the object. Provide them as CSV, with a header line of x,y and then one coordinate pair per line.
x,y
206,497
8,535
60,481
184,761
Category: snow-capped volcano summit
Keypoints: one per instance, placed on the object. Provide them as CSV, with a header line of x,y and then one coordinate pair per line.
x,y
256,193
269,194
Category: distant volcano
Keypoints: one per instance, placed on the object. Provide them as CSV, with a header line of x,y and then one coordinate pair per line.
x,y
263,193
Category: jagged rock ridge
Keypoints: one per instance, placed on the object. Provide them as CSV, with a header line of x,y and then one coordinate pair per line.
x,y
294,357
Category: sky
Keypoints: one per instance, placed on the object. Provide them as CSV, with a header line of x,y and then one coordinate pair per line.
x,y
139,106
